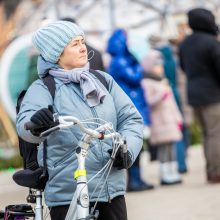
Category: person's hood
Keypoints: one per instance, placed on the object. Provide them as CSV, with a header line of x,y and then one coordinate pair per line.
x,y
44,66
201,19
117,43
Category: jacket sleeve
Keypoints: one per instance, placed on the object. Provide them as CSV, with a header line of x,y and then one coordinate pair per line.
x,y
132,75
36,97
129,120
176,112
215,53
152,93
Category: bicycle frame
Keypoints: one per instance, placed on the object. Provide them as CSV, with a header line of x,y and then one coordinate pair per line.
x,y
80,176
39,206
82,206
81,194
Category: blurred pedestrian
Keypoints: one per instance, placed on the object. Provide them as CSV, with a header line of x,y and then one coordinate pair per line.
x,y
165,115
127,72
200,60
170,71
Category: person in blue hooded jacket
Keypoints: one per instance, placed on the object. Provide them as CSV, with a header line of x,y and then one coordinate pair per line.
x,y
63,55
128,73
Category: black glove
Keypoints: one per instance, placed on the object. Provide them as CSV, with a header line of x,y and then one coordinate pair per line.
x,y
43,118
122,160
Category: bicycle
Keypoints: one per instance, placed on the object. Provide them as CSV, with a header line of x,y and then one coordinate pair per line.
x,y
79,206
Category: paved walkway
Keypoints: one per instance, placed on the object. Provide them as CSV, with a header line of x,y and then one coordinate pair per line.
x,y
193,200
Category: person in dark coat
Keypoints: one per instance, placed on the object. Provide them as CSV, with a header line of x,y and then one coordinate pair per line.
x,y
127,72
200,60
96,62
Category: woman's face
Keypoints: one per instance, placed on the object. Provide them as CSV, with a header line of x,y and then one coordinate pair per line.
x,y
74,54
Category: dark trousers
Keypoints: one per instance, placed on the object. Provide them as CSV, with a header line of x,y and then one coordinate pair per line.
x,y
114,210
209,118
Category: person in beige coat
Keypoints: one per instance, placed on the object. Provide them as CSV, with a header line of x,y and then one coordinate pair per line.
x,y
166,118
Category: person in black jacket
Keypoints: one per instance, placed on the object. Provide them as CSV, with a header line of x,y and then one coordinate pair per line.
x,y
200,60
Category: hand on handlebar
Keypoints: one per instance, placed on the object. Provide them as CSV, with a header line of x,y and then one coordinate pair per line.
x,y
122,159
43,119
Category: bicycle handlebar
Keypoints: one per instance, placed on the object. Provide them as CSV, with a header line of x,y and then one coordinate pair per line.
x,y
69,121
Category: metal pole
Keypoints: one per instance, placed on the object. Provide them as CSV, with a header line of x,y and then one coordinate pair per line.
x,y
112,18
56,8
39,206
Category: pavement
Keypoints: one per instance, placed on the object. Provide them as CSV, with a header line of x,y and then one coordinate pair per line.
x,y
194,199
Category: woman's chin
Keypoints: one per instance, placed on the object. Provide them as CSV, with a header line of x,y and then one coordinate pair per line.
x,y
82,64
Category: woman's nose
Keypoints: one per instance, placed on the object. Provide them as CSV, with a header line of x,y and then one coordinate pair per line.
x,y
82,48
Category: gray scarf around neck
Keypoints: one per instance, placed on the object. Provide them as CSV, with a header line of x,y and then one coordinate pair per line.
x,y
91,90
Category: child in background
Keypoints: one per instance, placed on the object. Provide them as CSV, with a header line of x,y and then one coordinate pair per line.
x,y
166,118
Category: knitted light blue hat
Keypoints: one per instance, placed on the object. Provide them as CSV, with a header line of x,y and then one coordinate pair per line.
x,y
53,38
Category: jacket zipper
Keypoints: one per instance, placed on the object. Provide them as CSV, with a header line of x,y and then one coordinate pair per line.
x,y
96,116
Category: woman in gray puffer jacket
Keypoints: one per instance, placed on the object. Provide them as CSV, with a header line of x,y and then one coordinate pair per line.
x,y
79,93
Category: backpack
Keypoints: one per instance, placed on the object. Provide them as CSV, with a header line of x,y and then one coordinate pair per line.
x,y
37,176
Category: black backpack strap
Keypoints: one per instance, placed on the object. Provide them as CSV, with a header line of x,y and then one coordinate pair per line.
x,y
100,77
50,83
19,100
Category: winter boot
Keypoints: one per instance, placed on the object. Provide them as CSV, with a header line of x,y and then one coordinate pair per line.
x,y
176,174
169,174
135,183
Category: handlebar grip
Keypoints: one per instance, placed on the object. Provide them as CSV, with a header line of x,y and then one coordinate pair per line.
x,y
30,125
